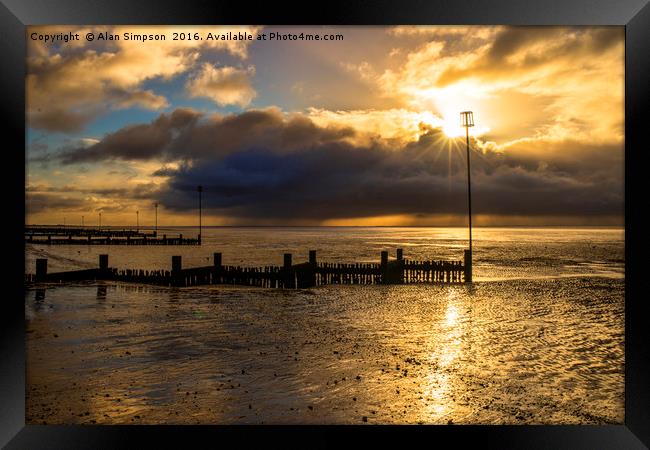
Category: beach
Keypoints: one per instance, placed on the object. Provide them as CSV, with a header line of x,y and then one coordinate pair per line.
x,y
538,338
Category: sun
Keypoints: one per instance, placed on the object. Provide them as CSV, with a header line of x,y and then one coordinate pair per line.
x,y
451,127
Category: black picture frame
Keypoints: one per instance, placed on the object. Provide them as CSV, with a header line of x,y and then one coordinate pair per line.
x,y
15,15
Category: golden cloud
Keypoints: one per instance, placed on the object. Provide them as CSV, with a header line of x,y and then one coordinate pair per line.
x,y
69,85
223,85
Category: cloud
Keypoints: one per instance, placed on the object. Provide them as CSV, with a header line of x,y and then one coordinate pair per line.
x,y
568,80
187,134
224,85
271,166
70,85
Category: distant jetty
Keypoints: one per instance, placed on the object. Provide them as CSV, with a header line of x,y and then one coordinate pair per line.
x,y
102,236
288,276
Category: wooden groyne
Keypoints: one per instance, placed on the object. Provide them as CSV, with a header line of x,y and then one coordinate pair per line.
x,y
104,237
288,276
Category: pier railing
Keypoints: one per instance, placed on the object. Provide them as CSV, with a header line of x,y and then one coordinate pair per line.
x,y
287,276
59,236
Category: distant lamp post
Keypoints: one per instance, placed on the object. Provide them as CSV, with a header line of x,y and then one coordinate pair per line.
x,y
100,221
467,120
82,221
137,221
200,189
155,228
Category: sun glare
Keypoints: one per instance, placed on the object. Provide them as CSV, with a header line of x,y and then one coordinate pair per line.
x,y
451,127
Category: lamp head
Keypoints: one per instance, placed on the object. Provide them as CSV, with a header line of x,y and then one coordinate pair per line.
x,y
467,119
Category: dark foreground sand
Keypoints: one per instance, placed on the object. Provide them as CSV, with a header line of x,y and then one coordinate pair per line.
x,y
546,351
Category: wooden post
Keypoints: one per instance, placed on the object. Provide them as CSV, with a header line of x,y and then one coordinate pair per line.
x,y
312,257
288,273
400,266
103,262
176,269
217,259
176,263
468,266
41,269
384,267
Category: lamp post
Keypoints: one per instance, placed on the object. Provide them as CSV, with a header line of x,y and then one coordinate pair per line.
x,y
82,221
100,221
155,228
137,221
200,189
467,120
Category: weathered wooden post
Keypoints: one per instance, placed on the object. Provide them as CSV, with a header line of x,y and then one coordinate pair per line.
x,y
307,273
384,267
41,269
468,266
176,269
49,239
400,266
288,273
216,258
176,263
103,262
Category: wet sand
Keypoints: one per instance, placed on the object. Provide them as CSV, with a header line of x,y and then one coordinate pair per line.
x,y
539,351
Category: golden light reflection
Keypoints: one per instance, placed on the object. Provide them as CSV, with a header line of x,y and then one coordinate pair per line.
x,y
447,348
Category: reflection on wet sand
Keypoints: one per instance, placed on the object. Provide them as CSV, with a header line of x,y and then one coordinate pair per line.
x,y
447,349
491,353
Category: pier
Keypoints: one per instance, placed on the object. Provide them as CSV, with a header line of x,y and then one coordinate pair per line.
x,y
102,236
287,276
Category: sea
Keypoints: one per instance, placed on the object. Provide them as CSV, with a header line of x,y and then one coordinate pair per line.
x,y
537,338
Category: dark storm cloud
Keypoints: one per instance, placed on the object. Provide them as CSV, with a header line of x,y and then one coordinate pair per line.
x,y
186,133
262,164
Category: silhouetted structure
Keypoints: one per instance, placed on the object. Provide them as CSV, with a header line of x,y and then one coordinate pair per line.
x,y
467,121
200,189
95,236
287,276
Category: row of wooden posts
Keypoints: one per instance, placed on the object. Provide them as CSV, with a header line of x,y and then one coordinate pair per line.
x,y
287,276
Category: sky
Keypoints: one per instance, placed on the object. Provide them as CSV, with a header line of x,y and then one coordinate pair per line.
x,y
363,130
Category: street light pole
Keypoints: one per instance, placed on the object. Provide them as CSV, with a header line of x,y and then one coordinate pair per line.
x,y
200,189
100,221
155,232
137,221
467,120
